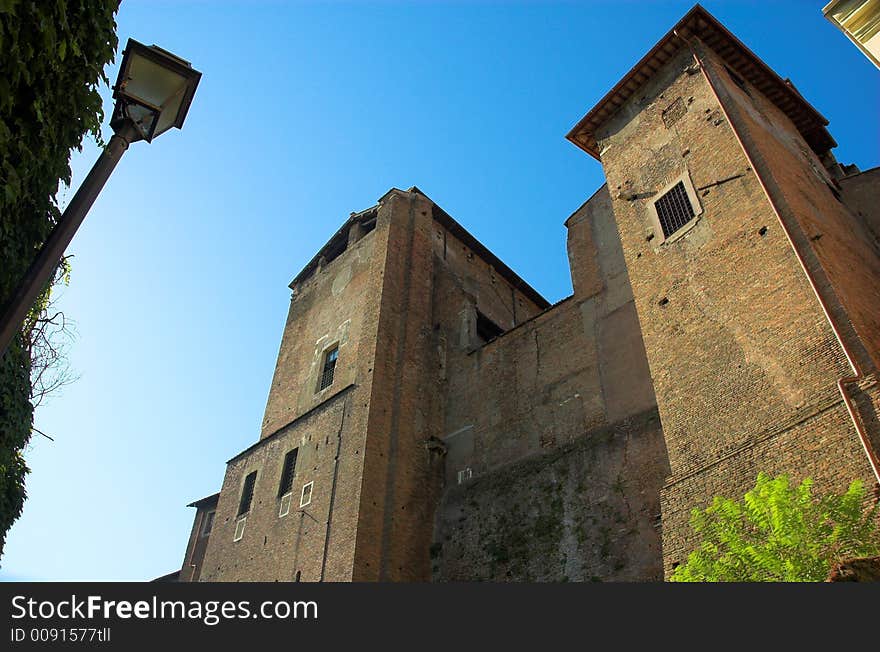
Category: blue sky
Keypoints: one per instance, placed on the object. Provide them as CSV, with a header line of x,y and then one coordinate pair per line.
x,y
306,112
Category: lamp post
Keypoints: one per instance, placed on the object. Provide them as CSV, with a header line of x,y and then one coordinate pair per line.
x,y
153,93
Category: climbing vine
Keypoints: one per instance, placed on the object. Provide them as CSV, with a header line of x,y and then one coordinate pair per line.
x,y
52,59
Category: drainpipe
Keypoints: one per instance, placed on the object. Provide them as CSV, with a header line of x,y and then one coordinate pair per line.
x,y
857,372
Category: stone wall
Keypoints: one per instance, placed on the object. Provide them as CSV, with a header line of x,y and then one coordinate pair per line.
x,y
555,452
587,510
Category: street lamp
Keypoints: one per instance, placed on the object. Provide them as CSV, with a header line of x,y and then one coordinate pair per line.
x,y
153,93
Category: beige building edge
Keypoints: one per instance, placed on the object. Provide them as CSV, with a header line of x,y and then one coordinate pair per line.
x,y
432,417
860,21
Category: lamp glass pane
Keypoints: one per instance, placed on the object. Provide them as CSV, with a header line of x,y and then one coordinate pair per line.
x,y
142,116
159,86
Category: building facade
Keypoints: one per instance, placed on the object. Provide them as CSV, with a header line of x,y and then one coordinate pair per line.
x,y
432,417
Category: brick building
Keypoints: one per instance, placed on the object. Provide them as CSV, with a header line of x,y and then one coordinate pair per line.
x,y
432,417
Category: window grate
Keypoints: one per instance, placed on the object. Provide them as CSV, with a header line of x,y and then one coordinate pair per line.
x,y
247,493
287,473
674,209
329,368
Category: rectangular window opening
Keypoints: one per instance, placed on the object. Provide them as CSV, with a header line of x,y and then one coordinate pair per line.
x,y
334,249
368,225
287,471
674,209
247,493
208,523
329,368
487,330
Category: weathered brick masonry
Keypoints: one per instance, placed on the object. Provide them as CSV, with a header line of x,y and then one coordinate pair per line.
x,y
469,430
743,356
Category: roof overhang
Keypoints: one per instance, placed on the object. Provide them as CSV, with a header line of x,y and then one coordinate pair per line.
x,y
446,221
207,501
334,241
699,23
458,231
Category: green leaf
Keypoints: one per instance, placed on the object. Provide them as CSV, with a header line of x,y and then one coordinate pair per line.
x,y
52,56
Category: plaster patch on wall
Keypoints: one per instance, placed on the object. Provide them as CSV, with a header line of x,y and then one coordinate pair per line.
x,y
341,280
342,332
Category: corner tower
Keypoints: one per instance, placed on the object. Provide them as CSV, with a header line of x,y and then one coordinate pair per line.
x,y
757,290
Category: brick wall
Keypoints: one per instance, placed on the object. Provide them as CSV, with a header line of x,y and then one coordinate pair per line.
x,y
737,342
198,541
333,304
860,195
368,442
837,247
399,471
555,455
326,308
275,547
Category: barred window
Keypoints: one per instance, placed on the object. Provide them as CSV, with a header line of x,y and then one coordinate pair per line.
x,y
329,367
247,493
674,209
287,473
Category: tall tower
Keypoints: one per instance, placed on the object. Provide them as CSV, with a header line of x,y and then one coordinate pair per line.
x,y
342,455
757,290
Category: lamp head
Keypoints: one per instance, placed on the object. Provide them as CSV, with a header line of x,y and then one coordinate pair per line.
x,y
153,91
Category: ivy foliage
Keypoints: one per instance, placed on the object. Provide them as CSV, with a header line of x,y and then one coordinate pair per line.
x,y
52,59
780,533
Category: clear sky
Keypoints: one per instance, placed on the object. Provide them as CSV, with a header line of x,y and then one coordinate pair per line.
x,y
306,112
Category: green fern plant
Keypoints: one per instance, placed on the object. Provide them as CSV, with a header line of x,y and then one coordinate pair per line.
x,y
780,533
